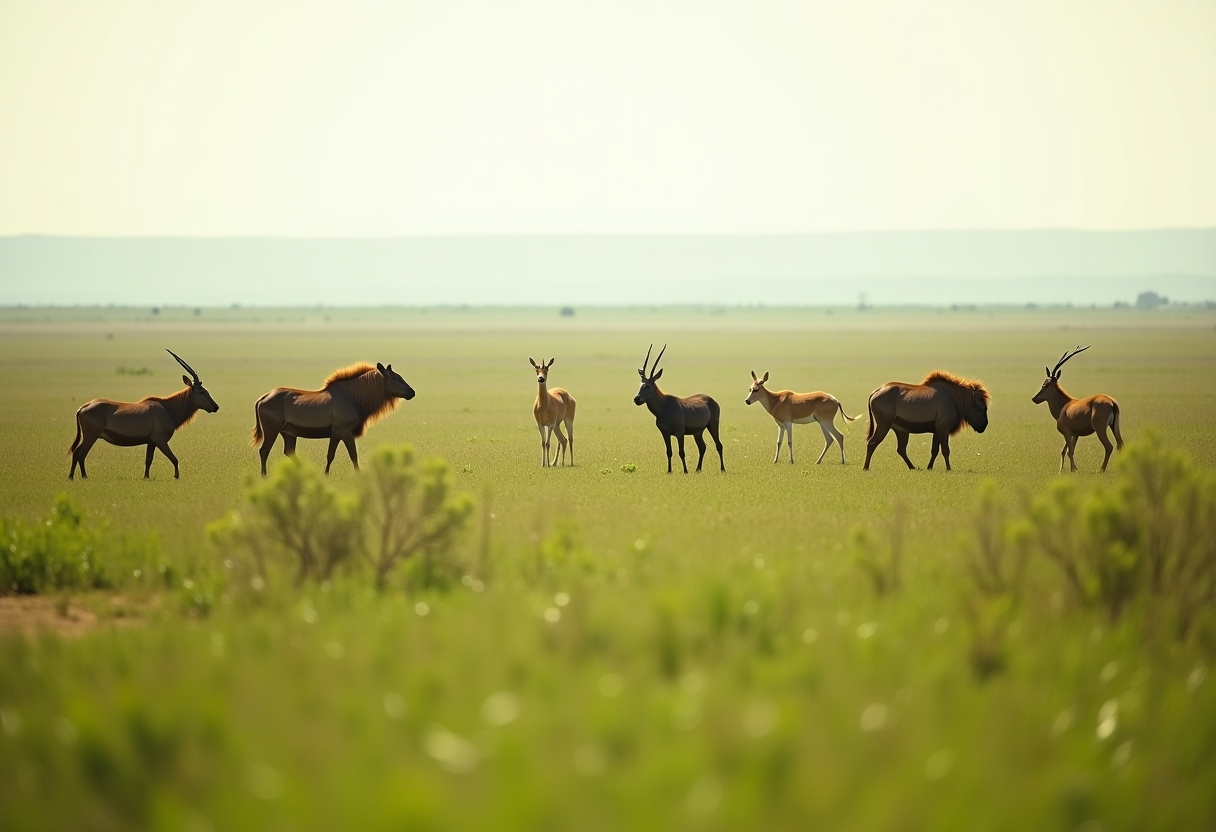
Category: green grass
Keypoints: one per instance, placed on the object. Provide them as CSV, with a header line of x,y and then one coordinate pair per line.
x,y
750,653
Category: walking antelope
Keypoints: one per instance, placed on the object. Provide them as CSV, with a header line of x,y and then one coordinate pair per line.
x,y
1079,417
151,421
551,409
352,399
679,417
941,405
788,409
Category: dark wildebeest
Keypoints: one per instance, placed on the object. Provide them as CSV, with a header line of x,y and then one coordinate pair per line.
x,y
679,417
551,409
352,399
1079,417
151,421
788,409
942,405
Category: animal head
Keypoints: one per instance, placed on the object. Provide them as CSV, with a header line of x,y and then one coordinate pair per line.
x,y
394,384
1052,382
977,415
648,389
542,369
199,396
757,385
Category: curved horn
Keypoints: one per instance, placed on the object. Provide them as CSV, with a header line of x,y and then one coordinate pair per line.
x,y
189,369
1067,355
647,361
655,368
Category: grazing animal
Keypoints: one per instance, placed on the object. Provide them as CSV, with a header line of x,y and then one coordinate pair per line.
x,y
941,405
1079,417
151,421
679,417
788,409
352,399
551,409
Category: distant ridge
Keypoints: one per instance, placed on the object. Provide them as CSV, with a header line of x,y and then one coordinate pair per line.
x,y
925,267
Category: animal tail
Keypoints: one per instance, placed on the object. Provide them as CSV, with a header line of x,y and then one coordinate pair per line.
x,y
76,444
1115,428
870,411
846,416
256,436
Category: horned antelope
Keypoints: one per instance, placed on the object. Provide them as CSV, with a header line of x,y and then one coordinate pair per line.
x,y
679,417
551,409
788,409
351,400
151,422
1079,417
943,404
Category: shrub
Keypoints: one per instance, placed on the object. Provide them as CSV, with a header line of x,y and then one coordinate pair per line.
x,y
58,554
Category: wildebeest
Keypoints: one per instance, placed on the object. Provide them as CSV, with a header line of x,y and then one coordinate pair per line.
x,y
552,408
679,417
941,405
1079,417
151,422
352,399
788,409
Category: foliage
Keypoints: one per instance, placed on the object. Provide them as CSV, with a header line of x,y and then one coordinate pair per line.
x,y
881,564
60,553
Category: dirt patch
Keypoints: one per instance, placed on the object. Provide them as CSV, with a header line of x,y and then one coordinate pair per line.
x,y
37,614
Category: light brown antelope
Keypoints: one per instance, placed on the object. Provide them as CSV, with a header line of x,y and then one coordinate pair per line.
x,y
941,405
678,417
788,409
151,422
552,409
1079,417
352,399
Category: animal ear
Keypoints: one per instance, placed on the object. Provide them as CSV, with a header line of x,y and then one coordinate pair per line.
x,y
764,379
753,375
657,376
1046,370
533,363
186,379
550,364
379,366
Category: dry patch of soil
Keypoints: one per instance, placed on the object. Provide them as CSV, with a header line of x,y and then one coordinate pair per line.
x,y
36,614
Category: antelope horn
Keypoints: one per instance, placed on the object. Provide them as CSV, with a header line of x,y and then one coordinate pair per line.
x,y
657,360
647,361
189,369
1067,355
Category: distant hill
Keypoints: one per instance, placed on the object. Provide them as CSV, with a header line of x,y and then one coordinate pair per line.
x,y
934,268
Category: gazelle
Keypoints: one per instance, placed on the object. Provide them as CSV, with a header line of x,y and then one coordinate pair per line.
x,y
1079,417
551,409
151,422
788,409
679,417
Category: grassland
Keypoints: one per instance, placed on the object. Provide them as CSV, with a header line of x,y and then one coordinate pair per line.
x,y
721,662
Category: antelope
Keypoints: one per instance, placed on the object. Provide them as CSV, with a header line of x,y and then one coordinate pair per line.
x,y
551,409
943,404
151,422
1079,417
679,417
352,399
788,409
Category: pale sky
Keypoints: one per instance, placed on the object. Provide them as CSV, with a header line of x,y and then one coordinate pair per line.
x,y
357,119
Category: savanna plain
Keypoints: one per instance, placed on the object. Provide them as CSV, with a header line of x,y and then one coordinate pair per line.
x,y
607,646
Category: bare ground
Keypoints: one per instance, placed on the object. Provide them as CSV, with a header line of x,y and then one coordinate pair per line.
x,y
34,615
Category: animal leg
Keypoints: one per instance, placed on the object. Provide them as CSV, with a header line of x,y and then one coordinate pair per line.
x,y
700,448
570,439
780,436
163,444
561,442
1063,453
270,433
831,426
713,433
683,460
901,447
667,439
946,451
333,449
937,444
544,447
1101,431
1072,452
1114,426
349,441
148,459
880,433
81,452
827,443
289,445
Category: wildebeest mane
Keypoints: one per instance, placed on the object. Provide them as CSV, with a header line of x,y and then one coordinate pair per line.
x,y
177,406
365,385
964,391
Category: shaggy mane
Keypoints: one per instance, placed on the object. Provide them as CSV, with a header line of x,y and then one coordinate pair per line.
x,y
177,406
366,386
963,390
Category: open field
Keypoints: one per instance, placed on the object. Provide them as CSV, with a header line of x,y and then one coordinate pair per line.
x,y
721,661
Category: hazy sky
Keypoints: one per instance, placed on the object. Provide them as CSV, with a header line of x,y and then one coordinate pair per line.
x,y
506,117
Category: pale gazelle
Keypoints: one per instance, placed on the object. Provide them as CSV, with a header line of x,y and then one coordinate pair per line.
x,y
788,409
1079,417
150,422
552,409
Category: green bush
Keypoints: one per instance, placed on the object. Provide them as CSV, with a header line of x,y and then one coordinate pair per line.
x,y
58,554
